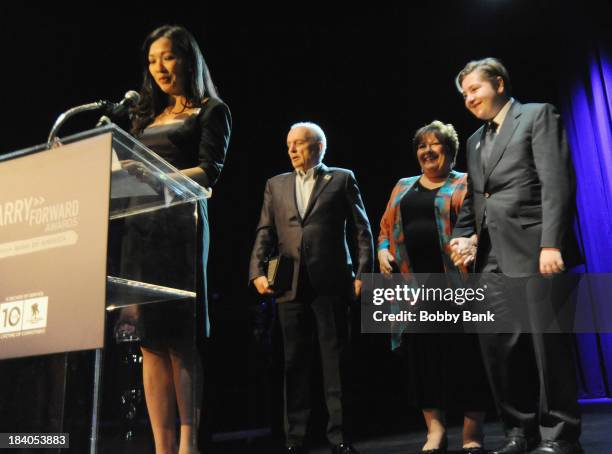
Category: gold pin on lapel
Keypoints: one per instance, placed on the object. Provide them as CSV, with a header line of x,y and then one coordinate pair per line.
x,y
327,177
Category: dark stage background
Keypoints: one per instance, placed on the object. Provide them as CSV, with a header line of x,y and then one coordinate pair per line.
x,y
369,77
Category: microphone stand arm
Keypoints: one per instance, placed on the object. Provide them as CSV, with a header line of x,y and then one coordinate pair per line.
x,y
70,113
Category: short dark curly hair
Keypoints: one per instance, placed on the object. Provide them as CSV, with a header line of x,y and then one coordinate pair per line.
x,y
445,133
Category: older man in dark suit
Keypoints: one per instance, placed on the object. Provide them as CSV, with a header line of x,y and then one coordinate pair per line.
x,y
517,221
305,217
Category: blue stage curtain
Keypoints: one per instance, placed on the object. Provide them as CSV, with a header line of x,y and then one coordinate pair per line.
x,y
587,112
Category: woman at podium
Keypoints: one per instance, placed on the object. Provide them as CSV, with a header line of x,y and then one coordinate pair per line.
x,y
180,117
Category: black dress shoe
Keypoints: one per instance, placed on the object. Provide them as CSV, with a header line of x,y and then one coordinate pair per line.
x,y
515,445
344,448
295,450
558,447
475,450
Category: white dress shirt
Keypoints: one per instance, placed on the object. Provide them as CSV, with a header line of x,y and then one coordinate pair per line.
x,y
304,184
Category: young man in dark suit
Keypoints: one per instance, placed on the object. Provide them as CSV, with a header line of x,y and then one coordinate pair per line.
x,y
306,215
517,221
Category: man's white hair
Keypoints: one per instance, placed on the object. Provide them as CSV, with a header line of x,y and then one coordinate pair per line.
x,y
317,132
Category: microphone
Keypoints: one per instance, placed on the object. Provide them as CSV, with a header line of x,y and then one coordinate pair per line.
x,y
130,99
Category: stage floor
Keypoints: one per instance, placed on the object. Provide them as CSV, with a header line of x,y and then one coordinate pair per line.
x,y
596,439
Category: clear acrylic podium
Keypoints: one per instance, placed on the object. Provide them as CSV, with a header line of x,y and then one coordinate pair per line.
x,y
99,245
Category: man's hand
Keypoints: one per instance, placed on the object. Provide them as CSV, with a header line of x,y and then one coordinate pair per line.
x,y
357,288
463,250
262,285
385,259
551,261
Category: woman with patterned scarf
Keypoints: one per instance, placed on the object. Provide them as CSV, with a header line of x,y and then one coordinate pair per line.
x,y
445,370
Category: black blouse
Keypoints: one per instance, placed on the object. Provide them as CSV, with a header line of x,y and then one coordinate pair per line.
x,y
420,230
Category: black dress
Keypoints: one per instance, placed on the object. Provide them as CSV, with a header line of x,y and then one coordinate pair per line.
x,y
174,237
444,371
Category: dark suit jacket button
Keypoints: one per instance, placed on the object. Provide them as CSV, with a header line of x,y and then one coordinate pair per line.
x,y
486,194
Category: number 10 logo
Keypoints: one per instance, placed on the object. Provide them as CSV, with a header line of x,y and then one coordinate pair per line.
x,y
10,317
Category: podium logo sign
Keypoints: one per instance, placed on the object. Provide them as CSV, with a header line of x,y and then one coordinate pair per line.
x,y
33,212
23,317
37,244
53,247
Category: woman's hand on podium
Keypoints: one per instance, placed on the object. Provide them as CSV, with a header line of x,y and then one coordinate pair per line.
x,y
135,168
140,171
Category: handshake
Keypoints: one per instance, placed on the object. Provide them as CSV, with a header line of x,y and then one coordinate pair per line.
x,y
463,250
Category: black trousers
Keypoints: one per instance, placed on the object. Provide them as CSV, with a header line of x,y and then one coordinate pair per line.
x,y
532,375
311,317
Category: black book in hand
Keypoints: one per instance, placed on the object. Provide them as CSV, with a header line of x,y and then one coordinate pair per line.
x,y
280,273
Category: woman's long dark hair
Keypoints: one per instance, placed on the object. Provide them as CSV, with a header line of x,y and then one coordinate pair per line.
x,y
198,86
